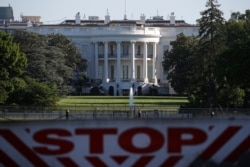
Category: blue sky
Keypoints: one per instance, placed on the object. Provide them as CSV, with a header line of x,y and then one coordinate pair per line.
x,y
54,11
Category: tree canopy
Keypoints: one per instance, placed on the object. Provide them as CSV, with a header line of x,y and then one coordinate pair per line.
x,y
52,59
211,43
213,67
179,61
12,64
233,63
41,70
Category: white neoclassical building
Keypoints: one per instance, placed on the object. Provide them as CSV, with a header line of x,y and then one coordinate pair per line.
x,y
123,53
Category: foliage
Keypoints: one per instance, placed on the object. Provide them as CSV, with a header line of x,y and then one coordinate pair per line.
x,y
211,27
28,40
72,59
44,74
79,82
231,97
95,91
212,71
52,59
48,65
12,64
72,54
180,63
233,63
211,39
34,93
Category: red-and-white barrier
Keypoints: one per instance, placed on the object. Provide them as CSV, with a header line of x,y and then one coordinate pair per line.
x,y
123,143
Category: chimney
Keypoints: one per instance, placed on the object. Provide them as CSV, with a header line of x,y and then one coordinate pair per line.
x,y
107,18
234,16
172,19
143,18
78,18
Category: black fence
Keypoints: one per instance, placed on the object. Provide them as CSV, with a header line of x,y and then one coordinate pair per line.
x,y
62,113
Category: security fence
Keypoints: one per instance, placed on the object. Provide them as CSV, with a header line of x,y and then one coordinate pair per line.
x,y
118,112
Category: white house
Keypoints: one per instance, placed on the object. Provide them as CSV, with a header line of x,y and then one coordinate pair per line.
x,y
123,53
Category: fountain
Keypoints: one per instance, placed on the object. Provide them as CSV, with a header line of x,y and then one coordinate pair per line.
x,y
131,98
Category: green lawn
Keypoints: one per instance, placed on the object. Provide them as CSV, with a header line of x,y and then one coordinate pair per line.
x,y
157,102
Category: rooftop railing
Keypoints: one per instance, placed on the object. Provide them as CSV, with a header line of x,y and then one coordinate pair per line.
x,y
97,30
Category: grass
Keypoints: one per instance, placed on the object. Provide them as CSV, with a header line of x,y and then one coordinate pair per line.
x,y
105,104
163,102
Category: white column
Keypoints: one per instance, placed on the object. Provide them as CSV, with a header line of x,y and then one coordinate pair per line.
x,y
96,60
118,68
133,61
145,63
105,61
154,63
118,62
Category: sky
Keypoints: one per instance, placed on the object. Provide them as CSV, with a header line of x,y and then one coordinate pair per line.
x,y
55,11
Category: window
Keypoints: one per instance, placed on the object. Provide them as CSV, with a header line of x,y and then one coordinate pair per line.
x,y
138,74
101,50
150,50
112,72
150,72
100,72
85,51
139,50
125,49
165,74
165,48
112,50
125,71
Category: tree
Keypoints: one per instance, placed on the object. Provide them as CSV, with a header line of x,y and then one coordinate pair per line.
x,y
34,93
29,40
72,54
12,64
73,60
51,59
211,44
47,64
233,63
179,62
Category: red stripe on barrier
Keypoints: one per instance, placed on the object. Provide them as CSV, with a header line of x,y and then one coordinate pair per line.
x,y
66,161
143,161
119,159
171,161
240,149
219,142
22,148
96,161
6,160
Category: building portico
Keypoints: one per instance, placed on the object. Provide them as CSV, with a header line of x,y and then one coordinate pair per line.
x,y
122,62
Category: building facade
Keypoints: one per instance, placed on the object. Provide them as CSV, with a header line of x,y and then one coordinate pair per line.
x,y
123,53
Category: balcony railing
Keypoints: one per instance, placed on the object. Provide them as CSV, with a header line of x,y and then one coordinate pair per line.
x,y
124,56
100,55
139,56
